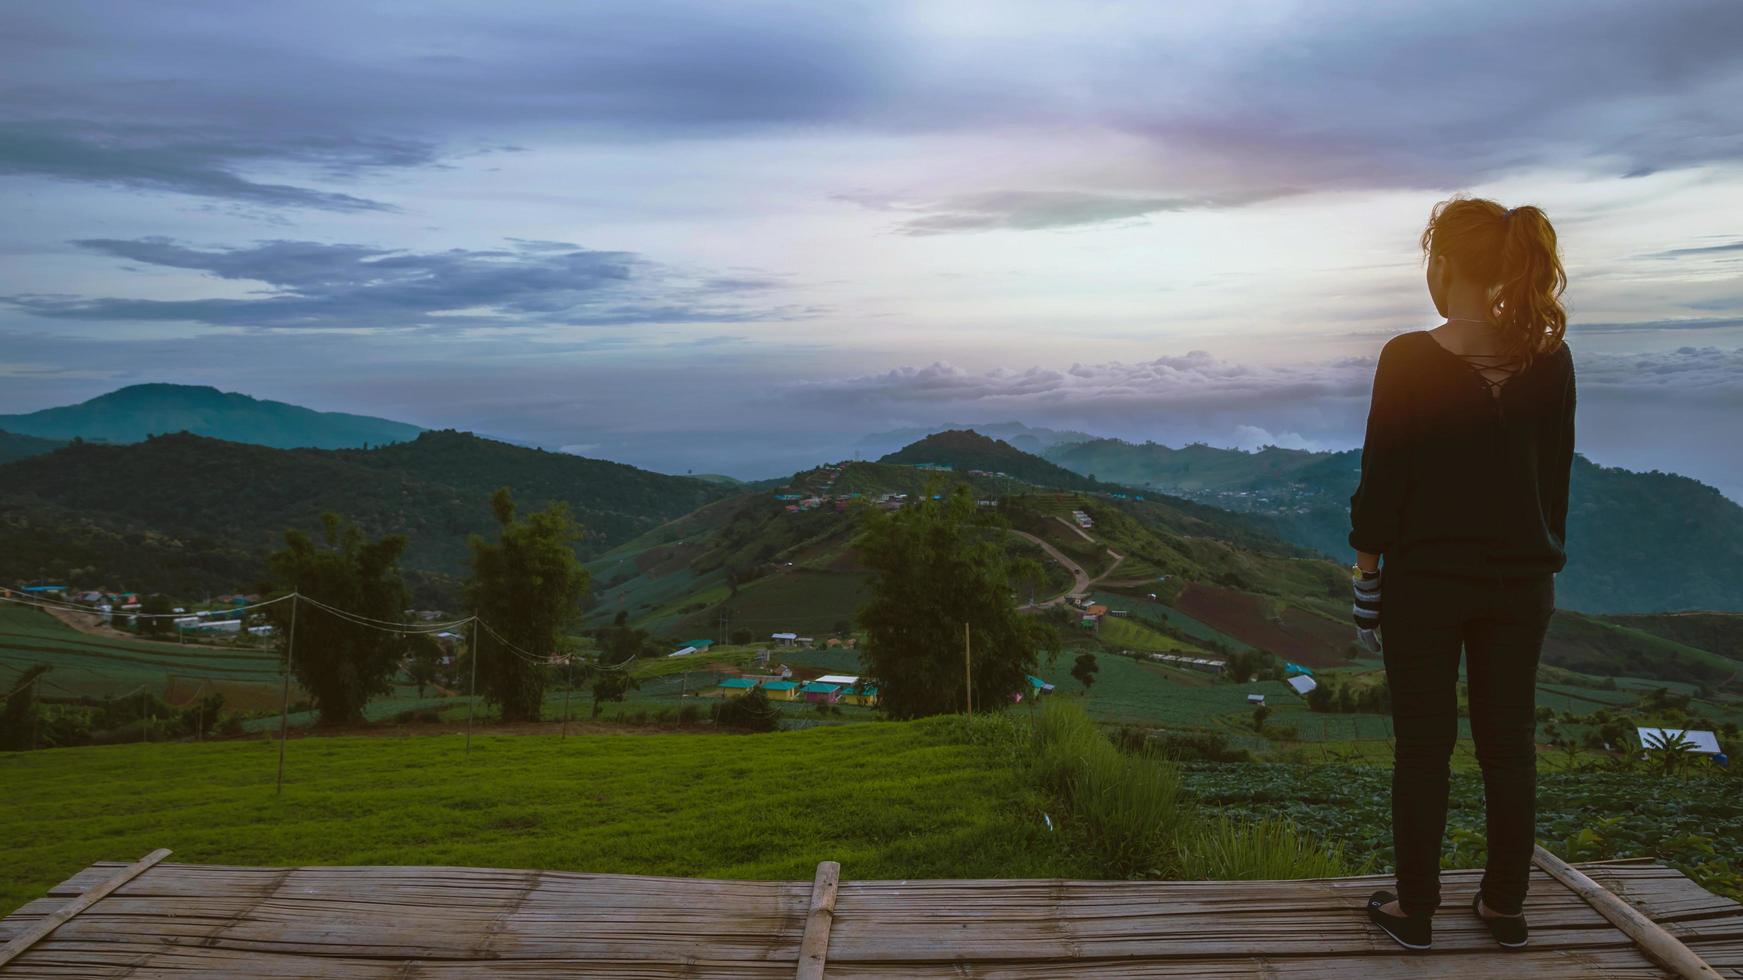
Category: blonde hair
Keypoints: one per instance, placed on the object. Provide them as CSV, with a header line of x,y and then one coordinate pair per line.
x,y
1513,252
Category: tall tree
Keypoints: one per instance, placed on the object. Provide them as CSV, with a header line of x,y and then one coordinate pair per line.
x,y
935,566
528,585
341,663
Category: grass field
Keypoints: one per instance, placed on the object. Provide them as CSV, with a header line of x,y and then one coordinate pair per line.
x,y
887,800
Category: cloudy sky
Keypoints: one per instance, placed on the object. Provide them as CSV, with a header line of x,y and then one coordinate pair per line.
x,y
739,237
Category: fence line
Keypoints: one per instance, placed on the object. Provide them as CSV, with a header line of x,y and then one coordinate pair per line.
x,y
297,599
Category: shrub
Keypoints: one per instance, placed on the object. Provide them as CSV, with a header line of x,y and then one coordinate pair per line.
x,y
1198,746
751,712
689,714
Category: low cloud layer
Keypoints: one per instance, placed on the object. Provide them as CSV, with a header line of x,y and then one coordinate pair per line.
x,y
314,284
1034,210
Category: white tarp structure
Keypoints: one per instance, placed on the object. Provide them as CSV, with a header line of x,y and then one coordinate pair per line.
x,y
682,652
1656,738
1255,699
1302,684
845,680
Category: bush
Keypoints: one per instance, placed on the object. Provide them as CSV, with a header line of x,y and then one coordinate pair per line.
x,y
689,714
1197,746
749,712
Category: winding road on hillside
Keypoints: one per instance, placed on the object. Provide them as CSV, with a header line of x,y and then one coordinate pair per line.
x,y
1081,580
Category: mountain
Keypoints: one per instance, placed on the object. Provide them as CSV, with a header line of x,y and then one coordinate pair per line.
x,y
14,446
966,450
1028,438
184,513
130,414
1637,542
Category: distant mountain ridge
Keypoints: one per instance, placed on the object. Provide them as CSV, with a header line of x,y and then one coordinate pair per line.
x,y
14,446
130,414
1637,542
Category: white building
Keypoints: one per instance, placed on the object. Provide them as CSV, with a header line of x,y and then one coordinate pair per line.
x,y
1704,743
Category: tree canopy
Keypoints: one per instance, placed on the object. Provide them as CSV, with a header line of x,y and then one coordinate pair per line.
x,y
935,566
340,663
528,586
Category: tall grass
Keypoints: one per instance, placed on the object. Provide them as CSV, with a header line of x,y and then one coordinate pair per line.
x,y
1126,812
1268,849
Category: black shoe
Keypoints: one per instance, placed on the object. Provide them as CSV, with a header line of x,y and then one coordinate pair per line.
x,y
1509,930
1415,932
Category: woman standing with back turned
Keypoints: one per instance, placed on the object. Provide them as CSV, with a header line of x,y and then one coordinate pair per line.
x,y
1464,492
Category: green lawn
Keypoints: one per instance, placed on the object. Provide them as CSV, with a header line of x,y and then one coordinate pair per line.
x,y
887,800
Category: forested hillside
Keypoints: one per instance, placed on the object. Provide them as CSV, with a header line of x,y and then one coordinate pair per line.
x,y
965,449
184,513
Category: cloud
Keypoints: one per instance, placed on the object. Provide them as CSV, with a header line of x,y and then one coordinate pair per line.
x,y
1692,372
1032,210
1195,379
315,284
1652,326
1336,95
204,163
1677,253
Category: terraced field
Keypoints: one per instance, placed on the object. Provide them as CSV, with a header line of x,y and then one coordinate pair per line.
x,y
84,665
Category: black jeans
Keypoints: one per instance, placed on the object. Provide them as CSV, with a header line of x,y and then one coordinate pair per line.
x,y
1500,624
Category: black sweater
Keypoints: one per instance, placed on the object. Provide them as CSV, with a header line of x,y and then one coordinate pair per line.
x,y
1457,480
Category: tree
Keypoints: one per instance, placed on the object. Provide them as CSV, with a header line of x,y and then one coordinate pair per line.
x,y
1084,669
154,624
935,566
423,660
18,711
340,663
741,636
528,586
1260,713
619,646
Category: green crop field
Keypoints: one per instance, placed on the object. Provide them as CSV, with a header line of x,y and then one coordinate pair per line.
x,y
887,800
97,666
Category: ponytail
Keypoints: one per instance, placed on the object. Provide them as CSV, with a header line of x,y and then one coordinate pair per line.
x,y
1514,252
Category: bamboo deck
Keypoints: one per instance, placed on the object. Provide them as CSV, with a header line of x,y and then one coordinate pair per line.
x,y
191,921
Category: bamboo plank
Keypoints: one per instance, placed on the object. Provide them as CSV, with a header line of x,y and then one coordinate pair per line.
x,y
355,923
53,920
1663,947
814,948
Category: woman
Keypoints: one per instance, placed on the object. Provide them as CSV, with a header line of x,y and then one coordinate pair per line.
x,y
1464,493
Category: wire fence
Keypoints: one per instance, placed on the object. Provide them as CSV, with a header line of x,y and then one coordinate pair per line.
x,y
470,624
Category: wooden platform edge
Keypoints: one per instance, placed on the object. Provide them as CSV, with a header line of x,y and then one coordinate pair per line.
x,y
814,946
1667,950
88,898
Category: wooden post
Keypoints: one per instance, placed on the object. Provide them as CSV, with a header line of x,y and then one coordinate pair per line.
x,y
290,652
472,651
1664,948
54,920
967,671
814,947
569,684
